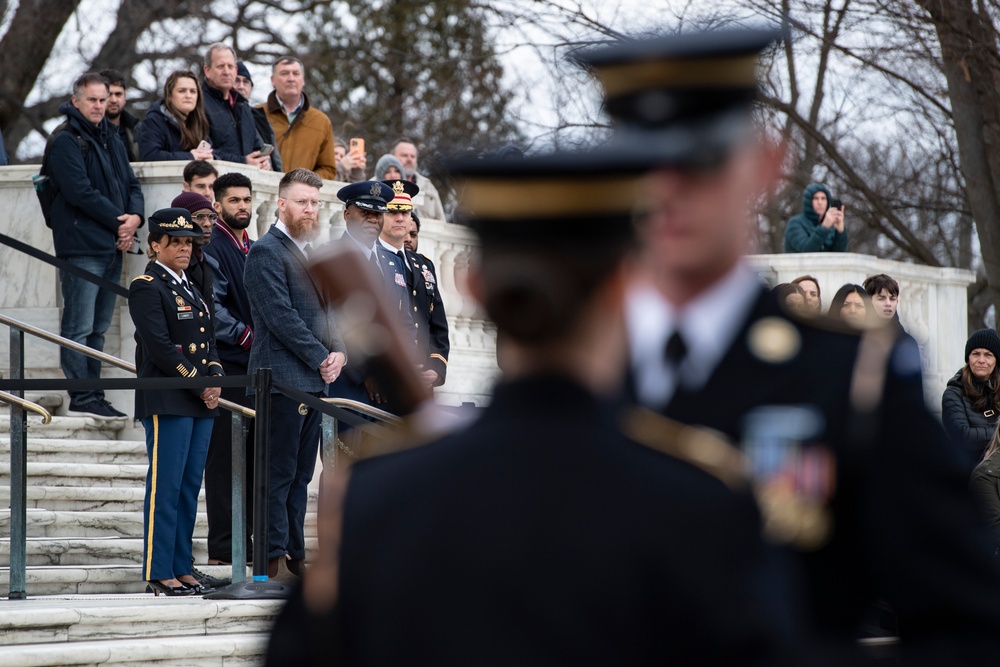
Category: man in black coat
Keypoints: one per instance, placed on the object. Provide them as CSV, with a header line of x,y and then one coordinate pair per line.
x,y
227,256
97,208
852,471
231,129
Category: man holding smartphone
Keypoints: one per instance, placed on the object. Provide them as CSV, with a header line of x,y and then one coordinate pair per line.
x,y
304,134
820,227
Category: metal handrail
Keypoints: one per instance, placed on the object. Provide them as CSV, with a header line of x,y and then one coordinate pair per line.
x,y
365,409
27,405
103,356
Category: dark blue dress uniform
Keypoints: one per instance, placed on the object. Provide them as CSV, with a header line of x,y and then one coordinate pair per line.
x,y
428,311
868,497
555,530
174,338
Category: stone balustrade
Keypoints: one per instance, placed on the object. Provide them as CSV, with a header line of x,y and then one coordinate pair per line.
x,y
932,305
933,302
31,290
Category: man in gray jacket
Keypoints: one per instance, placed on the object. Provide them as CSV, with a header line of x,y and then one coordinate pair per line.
x,y
295,338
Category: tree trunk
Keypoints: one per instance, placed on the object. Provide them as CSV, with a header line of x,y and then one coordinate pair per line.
x,y
969,53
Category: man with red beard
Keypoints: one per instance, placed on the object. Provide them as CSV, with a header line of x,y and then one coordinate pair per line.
x,y
295,338
227,255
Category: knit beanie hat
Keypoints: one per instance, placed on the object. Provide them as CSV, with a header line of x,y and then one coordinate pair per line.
x,y
383,164
986,339
241,70
192,201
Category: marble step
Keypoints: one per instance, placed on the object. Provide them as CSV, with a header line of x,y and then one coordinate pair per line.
x,y
81,498
74,551
79,474
48,523
75,451
89,579
221,650
100,498
80,428
77,623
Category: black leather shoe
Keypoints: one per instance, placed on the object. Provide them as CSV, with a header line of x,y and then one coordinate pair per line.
x,y
158,587
209,581
199,589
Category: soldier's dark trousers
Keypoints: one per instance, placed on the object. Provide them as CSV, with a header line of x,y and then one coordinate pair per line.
x,y
176,447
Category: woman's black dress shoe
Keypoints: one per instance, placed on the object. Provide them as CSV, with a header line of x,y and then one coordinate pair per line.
x,y
159,587
198,589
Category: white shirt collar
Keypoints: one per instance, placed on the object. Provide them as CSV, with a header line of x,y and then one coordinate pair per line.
x,y
393,249
708,324
301,245
179,278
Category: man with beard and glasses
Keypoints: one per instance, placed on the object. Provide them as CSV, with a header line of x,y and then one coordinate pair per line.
x,y
227,255
296,339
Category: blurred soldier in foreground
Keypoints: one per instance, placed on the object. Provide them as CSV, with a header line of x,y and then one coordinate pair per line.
x,y
544,533
844,452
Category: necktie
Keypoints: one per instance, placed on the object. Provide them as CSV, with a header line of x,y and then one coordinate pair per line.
x,y
374,262
406,266
675,351
187,286
307,250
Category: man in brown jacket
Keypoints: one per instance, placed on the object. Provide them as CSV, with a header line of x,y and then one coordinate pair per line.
x,y
304,133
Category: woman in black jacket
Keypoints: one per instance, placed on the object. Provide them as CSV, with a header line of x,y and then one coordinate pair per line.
x,y
176,127
986,486
971,401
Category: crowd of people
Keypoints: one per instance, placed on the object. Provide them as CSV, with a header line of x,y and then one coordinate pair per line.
x,y
211,302
661,413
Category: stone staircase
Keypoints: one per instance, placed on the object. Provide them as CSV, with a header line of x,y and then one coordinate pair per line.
x,y
86,603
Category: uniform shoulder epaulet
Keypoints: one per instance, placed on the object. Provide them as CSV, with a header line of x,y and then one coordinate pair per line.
x,y
700,447
143,276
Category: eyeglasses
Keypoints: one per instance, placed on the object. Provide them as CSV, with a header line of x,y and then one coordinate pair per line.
x,y
205,217
306,203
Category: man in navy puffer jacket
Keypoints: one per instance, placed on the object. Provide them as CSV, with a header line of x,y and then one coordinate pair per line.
x,y
95,213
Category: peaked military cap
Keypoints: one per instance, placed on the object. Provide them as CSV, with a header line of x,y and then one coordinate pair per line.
x,y
404,192
367,195
566,197
173,222
684,98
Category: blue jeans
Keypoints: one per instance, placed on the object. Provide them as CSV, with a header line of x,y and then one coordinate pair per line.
x,y
86,316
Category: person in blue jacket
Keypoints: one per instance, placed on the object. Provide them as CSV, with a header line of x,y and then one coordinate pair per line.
x,y
820,227
95,212
176,127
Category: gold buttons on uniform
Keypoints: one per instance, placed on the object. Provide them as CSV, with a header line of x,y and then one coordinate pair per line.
x,y
203,346
202,329
204,361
